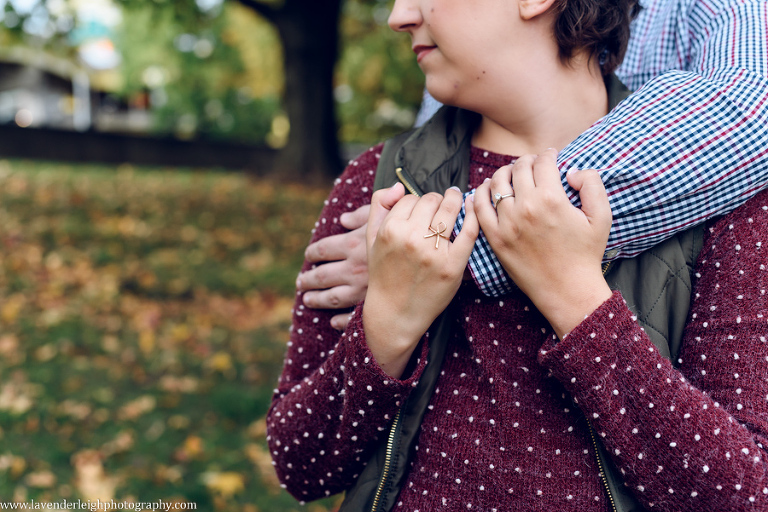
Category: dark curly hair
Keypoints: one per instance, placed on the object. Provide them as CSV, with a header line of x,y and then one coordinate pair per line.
x,y
600,27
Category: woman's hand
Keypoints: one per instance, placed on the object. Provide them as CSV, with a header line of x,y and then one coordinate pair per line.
x,y
551,249
414,269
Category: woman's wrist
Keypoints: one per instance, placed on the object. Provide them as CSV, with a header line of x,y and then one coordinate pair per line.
x,y
389,336
567,311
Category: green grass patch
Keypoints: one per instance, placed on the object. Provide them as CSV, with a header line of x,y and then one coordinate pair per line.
x,y
143,316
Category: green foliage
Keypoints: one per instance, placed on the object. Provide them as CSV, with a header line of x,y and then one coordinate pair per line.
x,y
193,67
36,26
379,84
139,339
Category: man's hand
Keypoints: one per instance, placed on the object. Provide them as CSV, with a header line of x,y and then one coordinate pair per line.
x,y
340,277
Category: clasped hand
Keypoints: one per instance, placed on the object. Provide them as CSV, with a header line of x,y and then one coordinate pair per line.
x,y
551,249
414,268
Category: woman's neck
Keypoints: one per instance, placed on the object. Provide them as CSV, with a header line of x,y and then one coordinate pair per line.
x,y
547,114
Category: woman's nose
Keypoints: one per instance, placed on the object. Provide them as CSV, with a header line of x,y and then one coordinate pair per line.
x,y
405,16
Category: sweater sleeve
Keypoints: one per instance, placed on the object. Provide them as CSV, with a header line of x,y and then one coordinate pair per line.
x,y
333,400
691,437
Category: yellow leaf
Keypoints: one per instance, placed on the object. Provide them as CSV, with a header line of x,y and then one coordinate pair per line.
x,y
10,310
258,429
193,446
18,465
226,483
146,341
221,361
180,332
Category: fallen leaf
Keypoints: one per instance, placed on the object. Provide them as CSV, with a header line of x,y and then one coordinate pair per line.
x,y
11,308
91,480
122,443
226,483
221,361
17,396
136,408
41,479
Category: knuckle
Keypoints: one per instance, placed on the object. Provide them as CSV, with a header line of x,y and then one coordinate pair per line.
x,y
321,276
376,197
432,197
549,198
529,213
499,178
472,230
353,242
332,299
388,233
412,246
524,161
450,207
360,269
321,251
447,274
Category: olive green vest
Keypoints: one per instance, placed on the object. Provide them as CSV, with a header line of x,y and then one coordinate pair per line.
x,y
656,285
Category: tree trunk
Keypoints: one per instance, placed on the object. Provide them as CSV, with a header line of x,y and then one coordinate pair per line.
x,y
309,30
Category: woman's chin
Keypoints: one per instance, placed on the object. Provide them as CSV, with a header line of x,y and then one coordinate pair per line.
x,y
444,93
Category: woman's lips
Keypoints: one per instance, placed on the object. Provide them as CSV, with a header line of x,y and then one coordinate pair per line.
x,y
421,51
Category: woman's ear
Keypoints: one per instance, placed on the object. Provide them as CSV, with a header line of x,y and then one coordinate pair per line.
x,y
529,9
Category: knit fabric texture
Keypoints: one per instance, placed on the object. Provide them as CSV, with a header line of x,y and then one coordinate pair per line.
x,y
506,428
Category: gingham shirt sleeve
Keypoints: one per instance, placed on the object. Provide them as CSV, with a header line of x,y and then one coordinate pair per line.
x,y
690,144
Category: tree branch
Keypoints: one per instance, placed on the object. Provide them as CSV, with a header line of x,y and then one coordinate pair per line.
x,y
265,10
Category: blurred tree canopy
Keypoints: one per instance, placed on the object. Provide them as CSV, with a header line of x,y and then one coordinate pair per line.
x,y
297,74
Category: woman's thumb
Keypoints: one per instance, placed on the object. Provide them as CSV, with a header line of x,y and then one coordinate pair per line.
x,y
594,199
381,203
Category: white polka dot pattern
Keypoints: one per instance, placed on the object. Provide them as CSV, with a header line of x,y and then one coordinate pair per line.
x,y
502,427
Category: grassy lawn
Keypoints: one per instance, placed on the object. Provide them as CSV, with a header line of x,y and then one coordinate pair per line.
x,y
143,317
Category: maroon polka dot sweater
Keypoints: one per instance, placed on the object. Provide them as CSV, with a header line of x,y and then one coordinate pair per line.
x,y
502,432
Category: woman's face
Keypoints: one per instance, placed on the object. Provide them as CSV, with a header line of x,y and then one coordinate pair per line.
x,y
468,48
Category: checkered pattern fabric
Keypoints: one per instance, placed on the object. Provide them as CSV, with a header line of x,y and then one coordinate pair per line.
x,y
690,144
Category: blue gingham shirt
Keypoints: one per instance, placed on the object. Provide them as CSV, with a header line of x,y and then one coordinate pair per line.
x,y
691,142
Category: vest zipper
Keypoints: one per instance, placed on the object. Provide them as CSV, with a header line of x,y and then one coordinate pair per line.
x,y
593,436
408,181
413,188
601,466
388,461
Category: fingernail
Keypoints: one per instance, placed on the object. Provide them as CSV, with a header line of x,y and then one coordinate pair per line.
x,y
457,189
298,282
572,170
486,179
472,197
